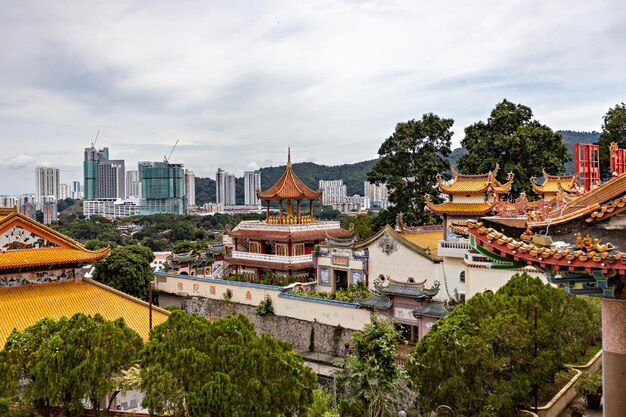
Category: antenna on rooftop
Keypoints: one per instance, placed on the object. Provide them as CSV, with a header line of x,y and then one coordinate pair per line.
x,y
93,144
167,157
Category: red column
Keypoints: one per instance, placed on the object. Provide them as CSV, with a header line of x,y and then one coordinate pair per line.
x,y
299,201
280,211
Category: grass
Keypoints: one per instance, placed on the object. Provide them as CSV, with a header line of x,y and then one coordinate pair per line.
x,y
591,352
547,392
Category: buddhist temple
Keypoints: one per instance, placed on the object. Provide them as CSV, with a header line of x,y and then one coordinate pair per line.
x,y
469,195
43,274
283,243
581,247
553,184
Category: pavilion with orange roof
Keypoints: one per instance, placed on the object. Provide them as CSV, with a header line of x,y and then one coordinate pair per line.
x,y
553,184
42,274
284,242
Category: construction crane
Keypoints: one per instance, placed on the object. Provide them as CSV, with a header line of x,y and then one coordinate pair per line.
x,y
167,157
93,144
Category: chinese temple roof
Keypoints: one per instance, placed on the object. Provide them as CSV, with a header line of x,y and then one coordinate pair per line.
x,y
289,187
461,209
404,240
475,183
428,238
408,289
376,302
561,258
431,310
552,184
24,305
60,249
281,233
44,257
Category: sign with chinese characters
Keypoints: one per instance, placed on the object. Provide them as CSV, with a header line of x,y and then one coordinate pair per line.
x,y
324,276
341,260
403,313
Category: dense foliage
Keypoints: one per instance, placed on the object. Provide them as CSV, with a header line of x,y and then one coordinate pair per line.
x,y
127,269
613,130
410,160
519,144
62,362
369,384
195,367
484,358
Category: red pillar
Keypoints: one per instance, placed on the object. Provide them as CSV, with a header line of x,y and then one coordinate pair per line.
x,y
280,211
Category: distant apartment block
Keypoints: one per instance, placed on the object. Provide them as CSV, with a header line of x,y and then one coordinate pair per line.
x,y
251,183
354,203
378,194
110,208
93,157
77,190
224,188
162,187
190,188
133,184
64,191
8,201
47,181
110,179
49,209
333,192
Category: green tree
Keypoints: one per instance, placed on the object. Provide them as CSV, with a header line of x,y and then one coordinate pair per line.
x,y
485,356
369,384
194,367
519,144
410,160
613,130
361,224
127,269
184,246
63,362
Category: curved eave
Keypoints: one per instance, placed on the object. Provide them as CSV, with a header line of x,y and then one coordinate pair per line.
x,y
18,219
616,207
32,259
469,209
400,239
289,187
544,258
279,266
464,187
289,236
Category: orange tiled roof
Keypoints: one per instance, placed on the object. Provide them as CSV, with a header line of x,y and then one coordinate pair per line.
x,y
469,209
475,184
289,187
429,239
23,306
552,184
41,257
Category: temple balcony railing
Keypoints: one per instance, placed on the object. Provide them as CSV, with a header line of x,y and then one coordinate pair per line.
x,y
259,225
477,258
453,248
264,257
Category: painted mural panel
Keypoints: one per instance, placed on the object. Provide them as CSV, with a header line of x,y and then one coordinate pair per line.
x,y
20,238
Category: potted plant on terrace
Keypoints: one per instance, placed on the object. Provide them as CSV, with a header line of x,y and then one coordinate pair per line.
x,y
590,387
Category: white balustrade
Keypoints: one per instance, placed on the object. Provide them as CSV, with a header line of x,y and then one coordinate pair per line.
x,y
259,225
453,249
272,258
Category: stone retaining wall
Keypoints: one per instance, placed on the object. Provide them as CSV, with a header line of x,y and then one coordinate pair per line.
x,y
304,335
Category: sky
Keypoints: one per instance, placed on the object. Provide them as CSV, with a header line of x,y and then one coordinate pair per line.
x,y
237,82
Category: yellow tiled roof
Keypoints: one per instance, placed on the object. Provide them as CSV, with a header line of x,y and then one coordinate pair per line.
x,y
38,257
475,184
552,183
459,208
428,240
24,305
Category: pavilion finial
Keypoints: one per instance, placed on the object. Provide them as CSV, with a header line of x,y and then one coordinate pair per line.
x,y
289,157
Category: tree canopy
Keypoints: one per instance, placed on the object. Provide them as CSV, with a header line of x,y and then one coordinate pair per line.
x,y
410,160
515,141
369,384
613,130
481,358
195,367
127,269
65,361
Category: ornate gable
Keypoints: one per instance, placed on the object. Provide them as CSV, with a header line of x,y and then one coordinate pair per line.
x,y
18,237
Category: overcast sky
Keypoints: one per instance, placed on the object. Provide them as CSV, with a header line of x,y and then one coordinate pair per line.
x,y
238,81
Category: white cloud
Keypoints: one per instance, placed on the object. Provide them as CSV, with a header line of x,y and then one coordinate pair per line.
x,y
238,82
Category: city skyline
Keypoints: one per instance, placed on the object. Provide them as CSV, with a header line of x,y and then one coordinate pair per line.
x,y
237,84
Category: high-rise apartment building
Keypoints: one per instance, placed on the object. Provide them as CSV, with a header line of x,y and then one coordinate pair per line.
x,y
251,183
47,181
77,192
64,191
133,184
110,179
162,188
333,192
190,188
225,188
92,159
378,194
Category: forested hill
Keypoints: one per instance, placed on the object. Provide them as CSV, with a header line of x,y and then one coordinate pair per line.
x,y
354,175
570,138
